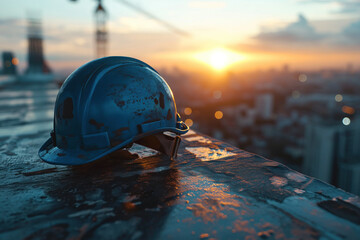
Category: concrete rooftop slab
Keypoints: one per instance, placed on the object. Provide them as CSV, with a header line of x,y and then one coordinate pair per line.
x,y
211,191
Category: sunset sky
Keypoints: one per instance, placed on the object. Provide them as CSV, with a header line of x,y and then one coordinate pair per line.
x,y
247,35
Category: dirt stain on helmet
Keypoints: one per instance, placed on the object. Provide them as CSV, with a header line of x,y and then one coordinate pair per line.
x,y
67,112
95,123
162,105
169,115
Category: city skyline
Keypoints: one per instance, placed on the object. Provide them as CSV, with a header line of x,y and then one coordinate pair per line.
x,y
307,35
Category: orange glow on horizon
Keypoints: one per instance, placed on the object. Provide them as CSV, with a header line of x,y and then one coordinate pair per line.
x,y
252,61
219,58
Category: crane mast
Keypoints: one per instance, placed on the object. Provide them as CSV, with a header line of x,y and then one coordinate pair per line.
x,y
101,37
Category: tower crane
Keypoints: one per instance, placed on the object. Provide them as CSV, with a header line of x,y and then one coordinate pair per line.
x,y
101,34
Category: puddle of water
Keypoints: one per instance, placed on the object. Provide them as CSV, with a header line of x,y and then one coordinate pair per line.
x,y
209,200
208,154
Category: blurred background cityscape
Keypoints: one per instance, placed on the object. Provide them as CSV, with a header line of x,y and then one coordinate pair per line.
x,y
277,78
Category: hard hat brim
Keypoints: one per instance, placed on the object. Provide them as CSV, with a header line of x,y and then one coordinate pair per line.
x,y
54,155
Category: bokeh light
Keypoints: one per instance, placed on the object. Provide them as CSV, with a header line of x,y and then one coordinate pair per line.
x,y
15,61
189,122
348,110
219,114
346,121
302,78
338,97
187,111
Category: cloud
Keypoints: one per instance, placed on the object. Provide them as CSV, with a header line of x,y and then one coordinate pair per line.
x,y
302,36
349,6
65,43
343,6
352,31
11,29
349,37
133,24
299,31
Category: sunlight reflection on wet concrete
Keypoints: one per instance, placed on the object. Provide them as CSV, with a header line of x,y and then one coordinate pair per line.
x,y
278,181
212,190
208,154
198,139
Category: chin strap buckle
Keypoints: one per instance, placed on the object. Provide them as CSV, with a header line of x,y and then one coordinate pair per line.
x,y
169,145
175,147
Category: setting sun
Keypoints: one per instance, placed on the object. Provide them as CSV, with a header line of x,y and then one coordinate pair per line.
x,y
219,58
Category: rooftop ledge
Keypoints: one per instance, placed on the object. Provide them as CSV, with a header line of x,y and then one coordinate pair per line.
x,y
211,191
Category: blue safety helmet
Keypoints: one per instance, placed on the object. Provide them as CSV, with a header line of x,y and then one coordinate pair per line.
x,y
108,104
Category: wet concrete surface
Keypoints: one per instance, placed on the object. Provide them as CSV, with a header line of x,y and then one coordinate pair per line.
x,y
211,191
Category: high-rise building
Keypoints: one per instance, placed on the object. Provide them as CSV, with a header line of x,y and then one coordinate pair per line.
x,y
264,105
9,63
36,61
320,151
332,154
348,158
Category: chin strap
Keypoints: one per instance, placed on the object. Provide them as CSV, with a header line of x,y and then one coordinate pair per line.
x,y
161,142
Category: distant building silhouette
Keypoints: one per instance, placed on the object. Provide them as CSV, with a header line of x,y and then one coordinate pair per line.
x,y
264,105
348,156
9,63
332,154
36,61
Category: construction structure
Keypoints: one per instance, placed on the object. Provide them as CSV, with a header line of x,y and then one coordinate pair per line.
x,y
8,72
100,31
9,63
36,61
